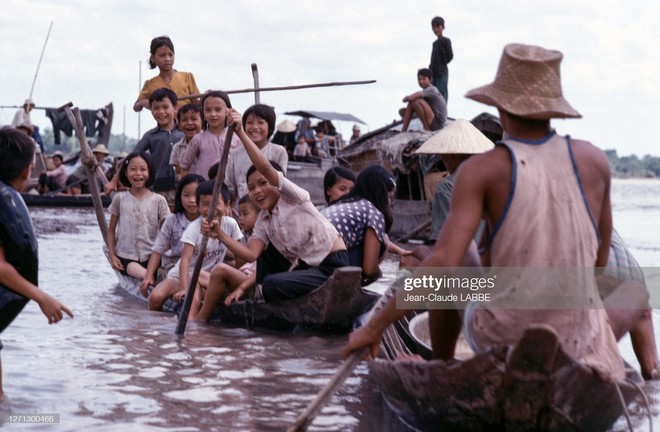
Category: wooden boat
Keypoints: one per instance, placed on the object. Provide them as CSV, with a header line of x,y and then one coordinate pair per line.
x,y
416,177
534,385
309,176
331,308
36,200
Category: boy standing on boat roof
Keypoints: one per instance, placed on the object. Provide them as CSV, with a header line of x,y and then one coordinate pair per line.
x,y
19,264
441,55
428,104
546,200
158,143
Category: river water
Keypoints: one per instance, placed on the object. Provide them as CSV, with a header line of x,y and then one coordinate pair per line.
x,y
117,366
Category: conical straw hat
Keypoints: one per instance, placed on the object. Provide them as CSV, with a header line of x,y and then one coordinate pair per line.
x,y
527,84
286,127
458,137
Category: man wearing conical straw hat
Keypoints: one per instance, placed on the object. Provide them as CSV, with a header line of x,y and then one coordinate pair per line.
x,y
545,198
454,144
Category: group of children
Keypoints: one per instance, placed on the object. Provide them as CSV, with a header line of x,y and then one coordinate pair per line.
x,y
281,245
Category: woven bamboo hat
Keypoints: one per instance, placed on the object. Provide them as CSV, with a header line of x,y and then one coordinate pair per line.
x,y
286,127
527,84
100,148
458,137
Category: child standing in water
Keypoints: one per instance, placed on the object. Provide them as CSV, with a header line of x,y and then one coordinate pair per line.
x,y
225,277
168,248
135,217
177,281
206,147
19,264
162,56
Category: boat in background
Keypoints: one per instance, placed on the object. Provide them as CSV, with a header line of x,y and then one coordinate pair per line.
x,y
417,176
48,200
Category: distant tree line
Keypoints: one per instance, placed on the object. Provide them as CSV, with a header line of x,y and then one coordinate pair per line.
x,y
632,166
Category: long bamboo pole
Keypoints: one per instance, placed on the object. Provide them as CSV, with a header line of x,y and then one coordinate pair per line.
x,y
293,87
40,58
187,302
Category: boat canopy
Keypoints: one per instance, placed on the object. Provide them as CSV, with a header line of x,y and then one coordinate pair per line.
x,y
326,115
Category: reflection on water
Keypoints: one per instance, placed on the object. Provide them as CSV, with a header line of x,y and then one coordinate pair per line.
x,y
117,366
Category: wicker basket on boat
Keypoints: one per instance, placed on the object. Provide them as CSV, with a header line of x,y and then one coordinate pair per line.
x,y
431,181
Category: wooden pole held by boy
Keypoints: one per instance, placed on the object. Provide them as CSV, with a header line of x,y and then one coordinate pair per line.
x,y
187,302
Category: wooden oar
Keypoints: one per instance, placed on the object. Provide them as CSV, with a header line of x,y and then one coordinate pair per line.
x,y
293,87
255,77
305,419
187,302
88,160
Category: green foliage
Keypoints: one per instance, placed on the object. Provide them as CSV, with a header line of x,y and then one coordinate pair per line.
x,y
632,166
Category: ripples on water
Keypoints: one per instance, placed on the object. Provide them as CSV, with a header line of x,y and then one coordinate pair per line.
x,y
117,366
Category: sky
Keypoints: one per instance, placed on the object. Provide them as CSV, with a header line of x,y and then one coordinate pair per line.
x,y
97,53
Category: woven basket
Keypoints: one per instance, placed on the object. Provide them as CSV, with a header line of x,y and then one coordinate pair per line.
x,y
431,181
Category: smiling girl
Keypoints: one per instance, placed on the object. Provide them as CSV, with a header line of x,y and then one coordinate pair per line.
x,y
259,124
206,147
162,56
135,217
296,248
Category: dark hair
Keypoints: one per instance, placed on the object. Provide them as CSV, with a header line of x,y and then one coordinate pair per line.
x,y
161,94
156,43
123,178
437,21
333,175
16,153
185,181
206,188
215,93
425,72
373,183
265,112
254,168
186,108
245,199
57,155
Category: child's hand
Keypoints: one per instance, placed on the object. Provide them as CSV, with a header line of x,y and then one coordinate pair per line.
x,y
148,280
52,308
235,120
116,264
234,296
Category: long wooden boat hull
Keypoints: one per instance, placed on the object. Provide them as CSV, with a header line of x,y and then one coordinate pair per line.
x,y
35,200
333,307
535,386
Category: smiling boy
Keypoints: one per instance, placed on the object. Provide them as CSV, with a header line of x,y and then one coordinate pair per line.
x,y
158,143
429,105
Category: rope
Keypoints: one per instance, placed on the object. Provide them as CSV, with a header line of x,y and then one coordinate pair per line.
x,y
625,406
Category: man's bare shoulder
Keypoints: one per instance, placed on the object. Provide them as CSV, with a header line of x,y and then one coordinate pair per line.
x,y
493,163
588,156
